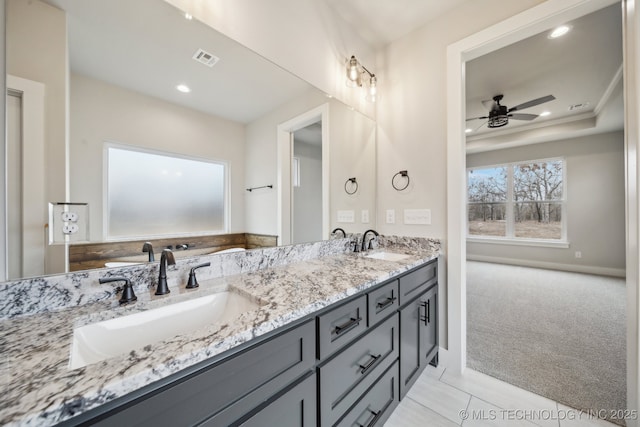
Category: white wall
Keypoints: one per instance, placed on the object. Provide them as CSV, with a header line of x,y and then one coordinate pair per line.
x,y
34,26
353,154
102,112
307,198
594,205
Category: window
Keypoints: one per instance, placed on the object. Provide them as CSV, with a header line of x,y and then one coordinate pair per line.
x,y
159,194
517,201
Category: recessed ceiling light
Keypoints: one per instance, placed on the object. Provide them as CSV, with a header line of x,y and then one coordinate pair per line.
x,y
188,16
559,32
545,113
467,130
183,88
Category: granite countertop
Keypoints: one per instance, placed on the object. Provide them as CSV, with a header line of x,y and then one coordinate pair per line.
x,y
40,388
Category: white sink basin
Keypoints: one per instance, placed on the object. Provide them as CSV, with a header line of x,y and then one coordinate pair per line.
x,y
103,340
120,264
387,256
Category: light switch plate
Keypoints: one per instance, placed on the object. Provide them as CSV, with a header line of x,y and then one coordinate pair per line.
x,y
346,216
417,216
364,216
391,216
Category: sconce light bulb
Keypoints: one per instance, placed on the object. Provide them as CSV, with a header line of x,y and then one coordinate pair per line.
x,y
373,85
352,69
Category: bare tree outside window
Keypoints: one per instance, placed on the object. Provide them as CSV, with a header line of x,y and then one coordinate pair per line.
x,y
523,200
487,190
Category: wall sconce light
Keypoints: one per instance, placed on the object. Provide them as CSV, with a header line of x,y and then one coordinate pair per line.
x,y
359,76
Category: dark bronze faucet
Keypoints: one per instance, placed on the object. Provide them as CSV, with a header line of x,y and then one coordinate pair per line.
x,y
364,239
127,290
147,247
341,230
165,259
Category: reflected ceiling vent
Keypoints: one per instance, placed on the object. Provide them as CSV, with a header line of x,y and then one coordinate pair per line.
x,y
205,58
580,106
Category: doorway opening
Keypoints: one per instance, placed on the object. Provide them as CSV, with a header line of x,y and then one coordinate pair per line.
x,y
306,216
25,197
530,22
313,121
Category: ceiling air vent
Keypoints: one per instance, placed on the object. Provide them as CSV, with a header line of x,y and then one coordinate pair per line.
x,y
205,58
580,106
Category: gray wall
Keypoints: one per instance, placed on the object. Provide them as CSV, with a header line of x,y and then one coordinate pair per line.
x,y
594,205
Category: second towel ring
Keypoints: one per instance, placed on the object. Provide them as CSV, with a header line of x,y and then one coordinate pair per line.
x,y
354,186
404,174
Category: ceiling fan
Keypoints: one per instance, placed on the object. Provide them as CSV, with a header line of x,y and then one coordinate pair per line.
x,y
499,114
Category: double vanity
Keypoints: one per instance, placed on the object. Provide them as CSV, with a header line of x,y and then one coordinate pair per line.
x,y
306,335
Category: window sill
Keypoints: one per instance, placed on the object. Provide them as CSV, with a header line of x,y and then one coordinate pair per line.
x,y
562,244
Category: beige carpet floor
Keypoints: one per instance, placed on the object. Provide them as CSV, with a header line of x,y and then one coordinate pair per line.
x,y
557,334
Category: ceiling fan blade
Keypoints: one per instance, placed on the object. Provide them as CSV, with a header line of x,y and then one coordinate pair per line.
x,y
522,116
532,103
477,118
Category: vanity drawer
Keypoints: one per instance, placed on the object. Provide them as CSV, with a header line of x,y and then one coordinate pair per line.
x,y
340,325
345,378
382,302
414,283
376,406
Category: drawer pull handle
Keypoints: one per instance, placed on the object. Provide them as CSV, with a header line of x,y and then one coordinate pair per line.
x,y
374,420
365,368
352,323
386,303
427,313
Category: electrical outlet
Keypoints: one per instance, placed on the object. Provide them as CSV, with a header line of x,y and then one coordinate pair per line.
x,y
578,254
391,216
69,216
364,216
70,228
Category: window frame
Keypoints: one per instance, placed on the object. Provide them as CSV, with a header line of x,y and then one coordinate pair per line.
x,y
510,237
105,192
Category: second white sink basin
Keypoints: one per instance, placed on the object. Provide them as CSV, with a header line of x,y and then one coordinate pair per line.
x,y
387,256
103,340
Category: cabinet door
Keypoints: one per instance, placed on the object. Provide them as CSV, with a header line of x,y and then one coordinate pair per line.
x,y
429,324
295,408
418,337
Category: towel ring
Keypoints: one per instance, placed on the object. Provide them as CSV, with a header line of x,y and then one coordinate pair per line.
x,y
353,183
404,174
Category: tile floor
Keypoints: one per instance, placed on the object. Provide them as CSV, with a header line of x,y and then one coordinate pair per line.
x,y
440,399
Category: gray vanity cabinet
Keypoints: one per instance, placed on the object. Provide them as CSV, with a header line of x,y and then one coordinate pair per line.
x,y
418,337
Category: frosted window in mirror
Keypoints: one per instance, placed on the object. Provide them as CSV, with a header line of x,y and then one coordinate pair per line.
x,y
156,194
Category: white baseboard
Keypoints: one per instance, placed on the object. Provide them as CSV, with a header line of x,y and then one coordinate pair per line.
x,y
588,269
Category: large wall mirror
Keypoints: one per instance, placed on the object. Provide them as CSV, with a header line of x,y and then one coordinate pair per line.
x,y
85,75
